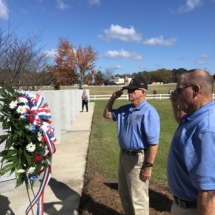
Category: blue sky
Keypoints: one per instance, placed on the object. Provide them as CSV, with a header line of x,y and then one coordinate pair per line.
x,y
129,35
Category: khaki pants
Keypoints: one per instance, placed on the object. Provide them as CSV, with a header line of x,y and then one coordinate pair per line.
x,y
132,190
177,210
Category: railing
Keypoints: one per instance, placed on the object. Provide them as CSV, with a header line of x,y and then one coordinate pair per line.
x,y
125,97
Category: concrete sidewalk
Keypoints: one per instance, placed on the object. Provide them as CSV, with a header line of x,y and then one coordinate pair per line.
x,y
63,193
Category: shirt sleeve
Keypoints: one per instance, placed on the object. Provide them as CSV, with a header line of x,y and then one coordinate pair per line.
x,y
114,114
200,161
152,127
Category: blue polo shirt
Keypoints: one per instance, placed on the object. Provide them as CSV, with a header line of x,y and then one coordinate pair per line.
x,y
137,128
191,159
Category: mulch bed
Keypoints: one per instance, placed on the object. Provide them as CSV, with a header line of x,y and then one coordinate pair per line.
x,y
100,197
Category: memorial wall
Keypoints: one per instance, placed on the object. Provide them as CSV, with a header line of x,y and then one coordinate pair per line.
x,y
64,105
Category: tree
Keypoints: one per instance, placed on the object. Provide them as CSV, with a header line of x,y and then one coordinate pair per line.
x,y
108,74
161,75
176,73
89,78
20,59
144,74
120,75
74,63
99,79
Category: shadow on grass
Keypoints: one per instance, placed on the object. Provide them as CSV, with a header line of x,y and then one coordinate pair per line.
x,y
158,201
89,206
112,186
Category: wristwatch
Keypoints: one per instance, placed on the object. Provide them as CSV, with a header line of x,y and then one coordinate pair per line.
x,y
148,164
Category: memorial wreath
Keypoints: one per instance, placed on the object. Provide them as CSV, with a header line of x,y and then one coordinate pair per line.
x,y
29,140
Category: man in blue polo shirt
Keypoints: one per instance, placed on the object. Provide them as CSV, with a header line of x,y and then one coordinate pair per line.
x,y
191,159
138,126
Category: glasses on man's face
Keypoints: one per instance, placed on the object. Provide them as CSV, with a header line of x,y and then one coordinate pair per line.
x,y
131,91
180,90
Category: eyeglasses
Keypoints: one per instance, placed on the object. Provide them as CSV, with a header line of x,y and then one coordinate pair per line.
x,y
180,90
131,91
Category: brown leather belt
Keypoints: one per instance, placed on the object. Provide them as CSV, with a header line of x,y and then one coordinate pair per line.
x,y
185,204
132,152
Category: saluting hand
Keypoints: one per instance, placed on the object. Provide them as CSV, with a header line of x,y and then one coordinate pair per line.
x,y
117,94
173,97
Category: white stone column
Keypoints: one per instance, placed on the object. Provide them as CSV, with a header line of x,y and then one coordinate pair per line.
x,y
64,110
72,105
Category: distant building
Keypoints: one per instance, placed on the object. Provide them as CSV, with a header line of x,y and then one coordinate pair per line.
x,y
156,83
121,81
127,79
109,83
118,80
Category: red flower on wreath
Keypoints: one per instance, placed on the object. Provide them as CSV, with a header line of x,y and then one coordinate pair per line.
x,y
43,139
31,118
38,157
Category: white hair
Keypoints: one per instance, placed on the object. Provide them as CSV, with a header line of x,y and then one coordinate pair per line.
x,y
143,89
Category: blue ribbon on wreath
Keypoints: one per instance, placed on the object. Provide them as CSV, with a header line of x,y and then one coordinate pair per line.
x,y
39,116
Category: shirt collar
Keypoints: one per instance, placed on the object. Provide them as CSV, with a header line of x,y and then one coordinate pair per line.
x,y
198,112
139,106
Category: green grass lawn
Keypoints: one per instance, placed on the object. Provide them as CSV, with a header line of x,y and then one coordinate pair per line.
x,y
108,90
104,148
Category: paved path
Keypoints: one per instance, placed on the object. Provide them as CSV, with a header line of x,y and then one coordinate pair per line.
x,y
63,193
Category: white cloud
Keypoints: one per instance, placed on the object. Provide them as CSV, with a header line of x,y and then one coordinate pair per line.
x,y
200,62
117,67
62,5
160,41
123,54
50,53
190,5
3,10
97,2
204,56
124,34
142,67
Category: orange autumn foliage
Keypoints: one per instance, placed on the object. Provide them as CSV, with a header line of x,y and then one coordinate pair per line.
x,y
73,63
92,77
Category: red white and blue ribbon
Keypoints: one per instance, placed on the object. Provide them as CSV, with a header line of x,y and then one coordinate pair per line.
x,y
39,198
39,116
